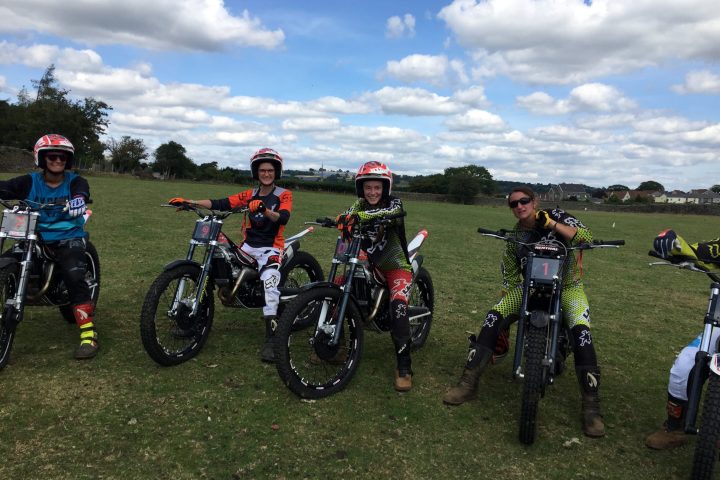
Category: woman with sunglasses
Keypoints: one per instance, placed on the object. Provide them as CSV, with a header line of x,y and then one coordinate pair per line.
x,y
62,229
534,224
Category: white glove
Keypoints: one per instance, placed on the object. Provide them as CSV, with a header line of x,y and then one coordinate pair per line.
x,y
76,206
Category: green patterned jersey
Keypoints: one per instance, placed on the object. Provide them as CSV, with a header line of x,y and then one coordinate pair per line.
x,y
386,246
515,256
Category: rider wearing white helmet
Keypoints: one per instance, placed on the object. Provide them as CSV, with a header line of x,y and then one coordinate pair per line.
x,y
270,208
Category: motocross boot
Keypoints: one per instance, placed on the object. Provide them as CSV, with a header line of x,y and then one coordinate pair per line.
x,y
84,315
267,354
672,434
592,418
466,389
403,373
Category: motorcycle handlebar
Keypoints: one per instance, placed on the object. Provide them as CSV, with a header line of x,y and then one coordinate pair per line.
x,y
609,242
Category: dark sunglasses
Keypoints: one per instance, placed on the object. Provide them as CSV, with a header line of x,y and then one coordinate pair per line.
x,y
56,156
521,201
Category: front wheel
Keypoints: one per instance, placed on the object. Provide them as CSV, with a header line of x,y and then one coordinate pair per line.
x,y
92,277
305,361
8,288
420,309
706,447
169,332
533,382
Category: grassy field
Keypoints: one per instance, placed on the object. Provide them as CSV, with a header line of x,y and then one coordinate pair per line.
x,y
226,415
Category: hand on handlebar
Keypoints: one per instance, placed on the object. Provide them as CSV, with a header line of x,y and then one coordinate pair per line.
x,y
542,219
76,206
665,243
256,206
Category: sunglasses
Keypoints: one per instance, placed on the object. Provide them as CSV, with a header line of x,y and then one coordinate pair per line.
x,y
56,156
521,201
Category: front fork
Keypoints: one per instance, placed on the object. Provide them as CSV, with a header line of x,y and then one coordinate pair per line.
x,y
325,322
703,359
14,307
201,291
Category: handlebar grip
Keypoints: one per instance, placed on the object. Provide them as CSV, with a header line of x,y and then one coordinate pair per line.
x,y
608,242
653,253
486,230
395,215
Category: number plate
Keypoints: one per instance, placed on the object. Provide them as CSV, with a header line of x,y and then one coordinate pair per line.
x,y
17,225
544,269
340,249
203,231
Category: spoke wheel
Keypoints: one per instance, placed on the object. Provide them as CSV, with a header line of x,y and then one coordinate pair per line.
x,y
707,445
8,287
421,302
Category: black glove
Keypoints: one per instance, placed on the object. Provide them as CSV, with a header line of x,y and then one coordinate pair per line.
x,y
542,219
664,243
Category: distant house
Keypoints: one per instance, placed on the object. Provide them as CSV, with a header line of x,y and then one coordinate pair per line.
x,y
565,191
703,197
631,195
677,196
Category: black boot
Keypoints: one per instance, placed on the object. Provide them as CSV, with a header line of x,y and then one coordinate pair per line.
x,y
403,373
466,389
267,354
592,419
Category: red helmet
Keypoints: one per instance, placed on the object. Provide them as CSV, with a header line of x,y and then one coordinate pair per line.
x,y
266,155
53,142
373,171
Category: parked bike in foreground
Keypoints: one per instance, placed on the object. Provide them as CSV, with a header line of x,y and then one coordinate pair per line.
x,y
179,307
29,273
705,371
319,340
542,340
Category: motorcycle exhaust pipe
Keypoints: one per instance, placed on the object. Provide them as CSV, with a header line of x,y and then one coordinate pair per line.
x,y
379,301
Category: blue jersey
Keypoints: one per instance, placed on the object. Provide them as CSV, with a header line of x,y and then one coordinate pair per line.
x,y
54,223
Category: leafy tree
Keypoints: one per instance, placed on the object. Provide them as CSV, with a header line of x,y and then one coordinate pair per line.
x,y
651,185
128,154
616,188
437,183
715,188
208,171
171,161
463,188
51,111
486,184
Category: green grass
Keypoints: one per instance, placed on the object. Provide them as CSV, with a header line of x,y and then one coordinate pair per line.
x,y
226,415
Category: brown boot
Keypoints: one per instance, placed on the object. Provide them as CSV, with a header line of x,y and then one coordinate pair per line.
x,y
592,419
466,388
403,383
672,434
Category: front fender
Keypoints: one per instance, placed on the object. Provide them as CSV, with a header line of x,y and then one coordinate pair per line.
x,y
715,364
177,263
290,293
539,319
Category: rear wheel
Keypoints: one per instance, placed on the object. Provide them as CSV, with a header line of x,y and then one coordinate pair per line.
x,y
300,270
169,332
420,305
92,277
305,361
707,445
8,288
533,382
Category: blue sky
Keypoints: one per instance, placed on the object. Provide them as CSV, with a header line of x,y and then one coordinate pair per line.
x,y
548,91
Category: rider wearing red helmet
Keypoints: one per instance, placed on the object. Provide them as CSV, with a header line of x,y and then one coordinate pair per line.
x,y
62,229
269,207
386,248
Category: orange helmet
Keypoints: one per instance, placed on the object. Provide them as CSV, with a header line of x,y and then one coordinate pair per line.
x,y
266,155
53,142
373,171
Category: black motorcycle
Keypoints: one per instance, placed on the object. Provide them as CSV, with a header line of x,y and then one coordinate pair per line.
x,y
705,371
319,339
179,307
29,273
543,340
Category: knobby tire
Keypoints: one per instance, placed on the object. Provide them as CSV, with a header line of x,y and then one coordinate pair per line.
x,y
532,383
8,287
421,295
173,338
304,362
706,446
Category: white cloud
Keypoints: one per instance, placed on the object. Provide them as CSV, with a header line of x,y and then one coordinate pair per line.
x,y
310,124
434,69
590,97
701,81
478,120
568,41
473,96
413,101
398,27
204,25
